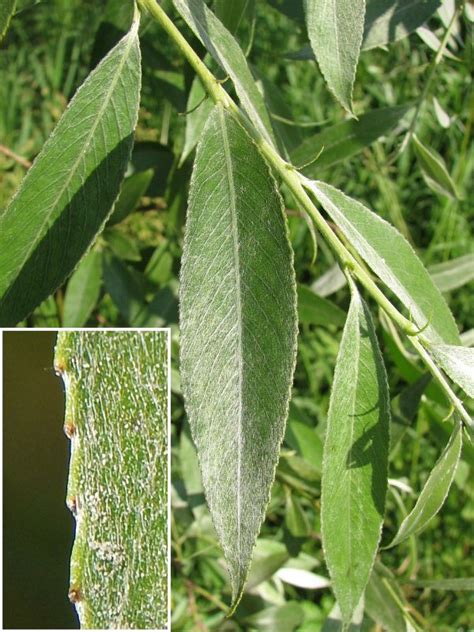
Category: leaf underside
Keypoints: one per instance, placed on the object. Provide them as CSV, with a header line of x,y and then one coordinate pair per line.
x,y
435,490
392,258
354,478
238,332
69,191
117,402
335,29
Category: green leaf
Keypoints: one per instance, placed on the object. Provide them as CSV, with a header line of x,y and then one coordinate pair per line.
x,y
458,363
304,440
335,31
434,492
121,244
228,54
126,290
69,191
329,282
284,618
295,517
159,267
392,258
269,556
83,290
133,188
354,479
334,622
383,598
344,140
443,117
238,332
198,108
451,275
455,583
316,310
405,407
434,170
117,417
232,13
388,21
7,9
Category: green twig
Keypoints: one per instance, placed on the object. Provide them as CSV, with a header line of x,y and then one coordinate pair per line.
x,y
297,184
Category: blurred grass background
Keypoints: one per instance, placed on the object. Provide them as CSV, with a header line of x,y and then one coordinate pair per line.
x,y
37,526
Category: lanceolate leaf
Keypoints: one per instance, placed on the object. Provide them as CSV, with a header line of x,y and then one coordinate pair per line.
x,y
232,13
393,259
453,274
226,51
316,310
344,140
388,21
434,170
70,189
384,601
455,583
435,490
354,479
335,29
7,8
238,332
458,362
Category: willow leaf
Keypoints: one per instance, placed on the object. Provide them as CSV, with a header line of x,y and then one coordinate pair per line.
x,y
392,258
434,170
238,332
453,274
354,478
117,419
226,51
388,21
434,493
69,191
335,29
458,362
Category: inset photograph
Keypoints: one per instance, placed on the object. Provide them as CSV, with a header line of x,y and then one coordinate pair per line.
x,y
108,567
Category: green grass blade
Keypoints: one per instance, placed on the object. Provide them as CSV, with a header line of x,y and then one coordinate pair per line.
x,y
354,478
335,31
117,418
392,258
238,332
69,191
434,492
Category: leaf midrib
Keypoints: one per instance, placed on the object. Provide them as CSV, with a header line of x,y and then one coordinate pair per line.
x,y
238,297
354,398
81,154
